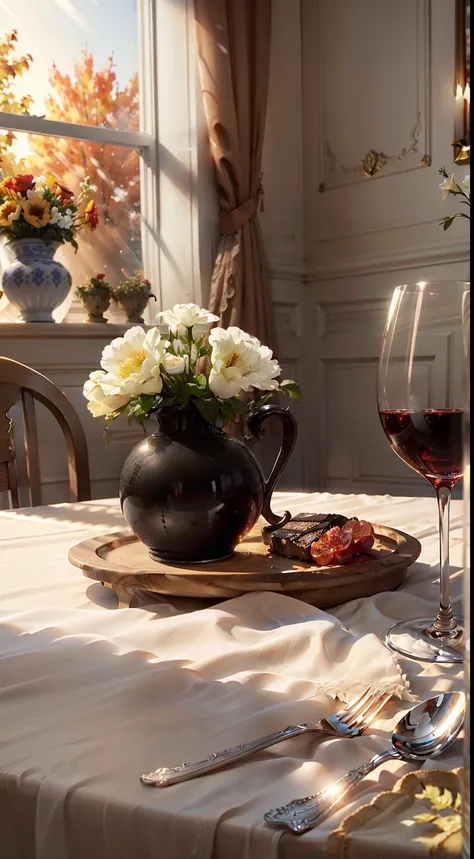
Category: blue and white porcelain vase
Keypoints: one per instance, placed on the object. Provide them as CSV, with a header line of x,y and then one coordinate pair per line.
x,y
34,282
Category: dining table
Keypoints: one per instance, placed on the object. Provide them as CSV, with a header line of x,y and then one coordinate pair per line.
x,y
93,695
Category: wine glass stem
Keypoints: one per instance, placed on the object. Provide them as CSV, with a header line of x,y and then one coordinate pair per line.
x,y
444,621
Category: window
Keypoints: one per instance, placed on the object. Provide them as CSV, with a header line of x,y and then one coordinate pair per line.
x,y
98,78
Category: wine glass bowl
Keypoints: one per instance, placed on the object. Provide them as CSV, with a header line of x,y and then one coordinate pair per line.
x,y
421,409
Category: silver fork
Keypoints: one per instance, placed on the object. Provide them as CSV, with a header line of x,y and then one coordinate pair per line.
x,y
351,721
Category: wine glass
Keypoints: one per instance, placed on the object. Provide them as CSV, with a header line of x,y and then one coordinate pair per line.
x,y
421,408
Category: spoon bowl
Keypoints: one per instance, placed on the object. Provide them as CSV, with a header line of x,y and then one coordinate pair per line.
x,y
428,729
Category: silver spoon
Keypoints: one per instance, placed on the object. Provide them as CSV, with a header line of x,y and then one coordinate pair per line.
x,y
426,731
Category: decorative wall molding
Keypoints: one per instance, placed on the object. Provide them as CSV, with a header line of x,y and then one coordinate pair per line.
x,y
344,317
373,162
394,260
280,268
416,154
287,318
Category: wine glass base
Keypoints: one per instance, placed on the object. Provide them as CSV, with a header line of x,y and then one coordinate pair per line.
x,y
412,638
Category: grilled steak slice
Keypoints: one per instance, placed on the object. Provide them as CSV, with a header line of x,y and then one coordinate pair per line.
x,y
294,539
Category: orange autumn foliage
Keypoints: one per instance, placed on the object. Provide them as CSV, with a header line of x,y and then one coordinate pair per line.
x,y
11,67
92,96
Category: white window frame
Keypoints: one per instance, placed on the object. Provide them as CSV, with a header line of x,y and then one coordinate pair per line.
x,y
178,205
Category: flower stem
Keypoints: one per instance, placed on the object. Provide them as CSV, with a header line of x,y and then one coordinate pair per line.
x,y
190,349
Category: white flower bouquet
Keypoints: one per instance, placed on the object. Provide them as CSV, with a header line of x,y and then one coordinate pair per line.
x,y
144,372
450,187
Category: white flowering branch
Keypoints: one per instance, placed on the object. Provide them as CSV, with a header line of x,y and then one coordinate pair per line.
x,y
451,187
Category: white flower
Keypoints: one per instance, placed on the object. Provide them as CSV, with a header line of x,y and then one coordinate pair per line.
x,y
132,363
174,364
55,215
179,348
187,315
99,403
467,184
448,186
64,221
240,363
32,192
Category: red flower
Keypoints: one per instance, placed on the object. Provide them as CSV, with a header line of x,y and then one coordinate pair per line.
x,y
21,183
100,276
61,191
91,215
147,284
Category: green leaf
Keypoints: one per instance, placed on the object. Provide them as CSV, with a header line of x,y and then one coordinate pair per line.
x,y
165,402
208,408
264,400
201,380
148,402
204,350
193,390
240,407
114,415
226,407
291,389
227,412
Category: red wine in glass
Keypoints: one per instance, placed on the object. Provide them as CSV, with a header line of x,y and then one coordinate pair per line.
x,y
421,406
429,440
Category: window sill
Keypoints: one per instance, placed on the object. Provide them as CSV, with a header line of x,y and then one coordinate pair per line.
x,y
62,330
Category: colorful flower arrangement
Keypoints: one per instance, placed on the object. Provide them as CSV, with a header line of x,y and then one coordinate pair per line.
x,y
144,372
44,209
95,283
450,186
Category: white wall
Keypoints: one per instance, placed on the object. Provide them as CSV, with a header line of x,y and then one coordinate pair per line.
x,y
349,76
282,220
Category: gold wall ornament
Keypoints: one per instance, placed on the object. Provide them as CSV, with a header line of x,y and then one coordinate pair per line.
x,y
461,152
372,162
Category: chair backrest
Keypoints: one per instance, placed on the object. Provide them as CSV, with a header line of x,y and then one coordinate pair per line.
x,y
19,382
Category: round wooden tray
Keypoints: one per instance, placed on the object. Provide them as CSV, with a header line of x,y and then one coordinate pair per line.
x,y
122,562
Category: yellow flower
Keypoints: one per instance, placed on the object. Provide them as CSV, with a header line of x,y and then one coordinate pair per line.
x,y
37,211
9,212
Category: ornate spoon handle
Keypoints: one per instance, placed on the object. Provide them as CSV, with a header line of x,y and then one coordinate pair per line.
x,y
165,776
301,815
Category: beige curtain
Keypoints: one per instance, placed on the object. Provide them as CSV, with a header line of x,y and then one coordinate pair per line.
x,y
233,38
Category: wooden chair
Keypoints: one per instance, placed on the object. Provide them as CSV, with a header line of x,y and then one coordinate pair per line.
x,y
18,382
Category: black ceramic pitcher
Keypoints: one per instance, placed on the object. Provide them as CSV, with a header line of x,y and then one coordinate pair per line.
x,y
191,492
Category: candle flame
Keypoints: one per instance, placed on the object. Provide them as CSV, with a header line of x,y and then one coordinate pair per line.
x,y
458,92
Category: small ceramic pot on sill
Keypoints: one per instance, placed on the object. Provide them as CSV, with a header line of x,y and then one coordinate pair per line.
x,y
95,302
133,303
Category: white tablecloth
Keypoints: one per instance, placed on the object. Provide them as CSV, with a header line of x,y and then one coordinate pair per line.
x,y
81,687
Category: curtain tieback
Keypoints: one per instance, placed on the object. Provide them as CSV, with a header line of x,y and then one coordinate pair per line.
x,y
232,222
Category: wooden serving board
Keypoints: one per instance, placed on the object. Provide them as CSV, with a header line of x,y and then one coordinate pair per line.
x,y
122,562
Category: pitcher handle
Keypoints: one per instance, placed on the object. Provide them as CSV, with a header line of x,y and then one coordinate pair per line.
x,y
255,420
